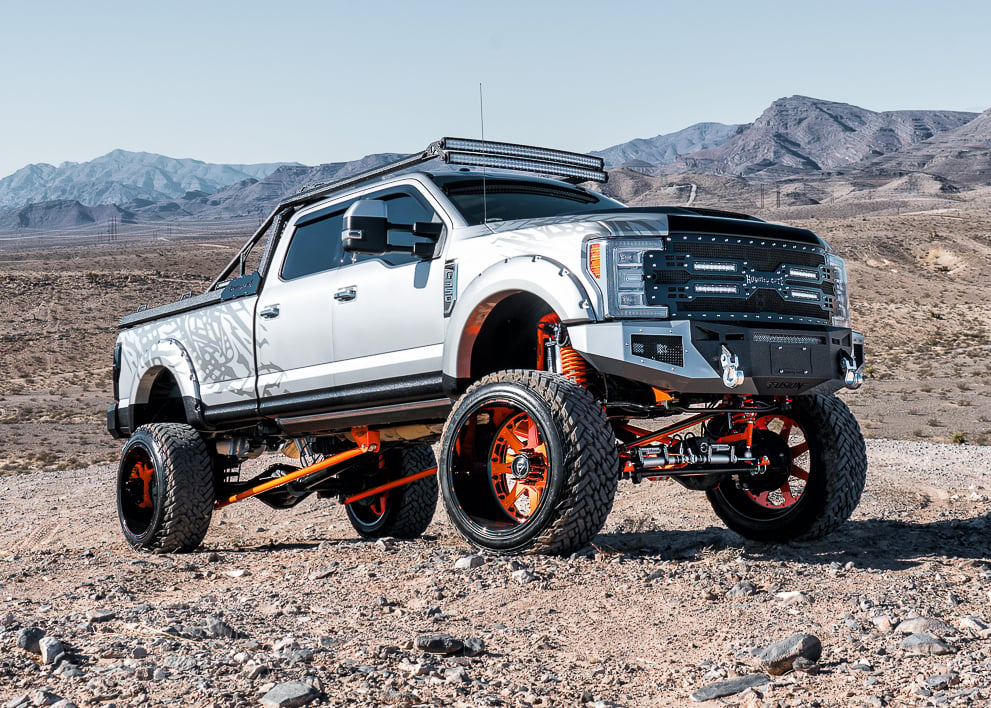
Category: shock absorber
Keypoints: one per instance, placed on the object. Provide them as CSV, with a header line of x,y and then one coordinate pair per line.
x,y
557,356
573,364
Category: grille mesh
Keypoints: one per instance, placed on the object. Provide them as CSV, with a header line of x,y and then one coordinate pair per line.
x,y
662,348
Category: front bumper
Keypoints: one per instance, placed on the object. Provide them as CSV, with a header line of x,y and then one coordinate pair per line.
x,y
692,357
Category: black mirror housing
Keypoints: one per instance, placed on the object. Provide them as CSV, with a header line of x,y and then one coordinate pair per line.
x,y
366,227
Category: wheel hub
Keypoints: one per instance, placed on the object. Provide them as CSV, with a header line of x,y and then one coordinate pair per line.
x,y
521,466
777,471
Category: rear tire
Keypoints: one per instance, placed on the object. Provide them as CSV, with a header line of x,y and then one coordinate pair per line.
x,y
165,488
528,464
401,512
817,474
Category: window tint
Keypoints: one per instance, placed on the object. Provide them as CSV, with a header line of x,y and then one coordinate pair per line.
x,y
315,246
316,243
503,200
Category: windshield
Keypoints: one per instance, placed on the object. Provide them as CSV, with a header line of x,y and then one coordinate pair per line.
x,y
505,200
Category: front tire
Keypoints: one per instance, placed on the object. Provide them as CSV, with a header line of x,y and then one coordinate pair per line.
x,y
165,488
528,464
814,482
401,512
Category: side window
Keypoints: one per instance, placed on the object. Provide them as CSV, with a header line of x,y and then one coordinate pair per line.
x,y
315,246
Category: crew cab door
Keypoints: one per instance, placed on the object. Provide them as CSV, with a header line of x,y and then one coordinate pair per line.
x,y
294,345
388,310
342,330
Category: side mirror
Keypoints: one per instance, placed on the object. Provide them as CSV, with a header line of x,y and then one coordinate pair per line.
x,y
366,227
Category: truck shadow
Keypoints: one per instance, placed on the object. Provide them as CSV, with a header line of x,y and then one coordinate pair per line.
x,y
880,544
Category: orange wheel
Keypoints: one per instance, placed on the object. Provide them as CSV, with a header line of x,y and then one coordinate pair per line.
x,y
518,466
528,463
404,511
813,466
165,491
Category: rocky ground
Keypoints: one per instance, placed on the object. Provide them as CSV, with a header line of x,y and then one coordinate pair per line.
x,y
662,609
663,605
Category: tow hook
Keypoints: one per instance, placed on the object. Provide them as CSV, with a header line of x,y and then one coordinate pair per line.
x,y
853,377
732,373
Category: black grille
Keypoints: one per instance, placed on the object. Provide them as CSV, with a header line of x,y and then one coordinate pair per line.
x,y
665,349
767,258
759,270
762,301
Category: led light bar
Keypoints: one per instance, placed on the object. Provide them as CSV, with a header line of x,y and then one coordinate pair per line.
x,y
712,289
803,273
524,165
710,267
766,338
487,147
805,295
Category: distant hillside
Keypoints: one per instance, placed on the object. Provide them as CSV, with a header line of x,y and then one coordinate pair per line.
x,y
796,139
962,155
58,215
801,135
252,196
665,149
121,176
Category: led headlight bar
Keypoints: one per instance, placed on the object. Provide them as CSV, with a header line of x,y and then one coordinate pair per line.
x,y
485,153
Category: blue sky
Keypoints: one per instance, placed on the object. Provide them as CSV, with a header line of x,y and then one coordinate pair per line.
x,y
324,81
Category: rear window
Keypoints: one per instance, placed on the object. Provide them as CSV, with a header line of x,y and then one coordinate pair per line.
x,y
502,200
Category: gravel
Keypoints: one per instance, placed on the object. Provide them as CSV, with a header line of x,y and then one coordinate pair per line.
x,y
664,608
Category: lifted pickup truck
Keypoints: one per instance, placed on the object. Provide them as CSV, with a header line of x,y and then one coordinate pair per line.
x,y
521,321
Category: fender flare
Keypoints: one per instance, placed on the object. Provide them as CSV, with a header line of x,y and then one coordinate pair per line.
x,y
169,355
541,277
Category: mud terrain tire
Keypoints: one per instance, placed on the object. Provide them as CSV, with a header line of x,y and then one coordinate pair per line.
x,y
829,451
528,464
401,512
165,488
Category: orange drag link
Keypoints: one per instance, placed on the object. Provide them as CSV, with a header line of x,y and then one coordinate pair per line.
x,y
390,485
368,441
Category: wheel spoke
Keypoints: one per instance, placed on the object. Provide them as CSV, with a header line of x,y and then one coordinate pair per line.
x,y
797,471
801,449
533,435
786,424
510,501
786,493
533,494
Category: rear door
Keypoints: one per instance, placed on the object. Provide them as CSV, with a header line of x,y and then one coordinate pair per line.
x,y
294,321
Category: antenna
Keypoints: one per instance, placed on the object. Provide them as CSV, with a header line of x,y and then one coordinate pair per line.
x,y
481,119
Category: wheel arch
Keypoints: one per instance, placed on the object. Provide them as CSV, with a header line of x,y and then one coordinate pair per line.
x,y
168,388
518,290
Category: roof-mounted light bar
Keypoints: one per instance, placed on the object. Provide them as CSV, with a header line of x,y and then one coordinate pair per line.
x,y
577,174
575,166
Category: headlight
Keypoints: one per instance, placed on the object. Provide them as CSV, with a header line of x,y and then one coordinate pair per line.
x,y
616,266
841,300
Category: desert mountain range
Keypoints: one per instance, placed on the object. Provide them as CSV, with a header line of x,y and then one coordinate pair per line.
x,y
795,138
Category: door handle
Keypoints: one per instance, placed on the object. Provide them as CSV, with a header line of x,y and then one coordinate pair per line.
x,y
270,312
346,294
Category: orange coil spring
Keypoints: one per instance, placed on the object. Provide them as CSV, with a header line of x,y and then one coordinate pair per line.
x,y
573,365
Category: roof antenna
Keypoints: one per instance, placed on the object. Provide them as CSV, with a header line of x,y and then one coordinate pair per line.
x,y
481,118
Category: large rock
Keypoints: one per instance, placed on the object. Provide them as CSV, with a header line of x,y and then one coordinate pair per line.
x,y
438,643
289,695
50,649
779,657
28,638
926,644
729,687
924,625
